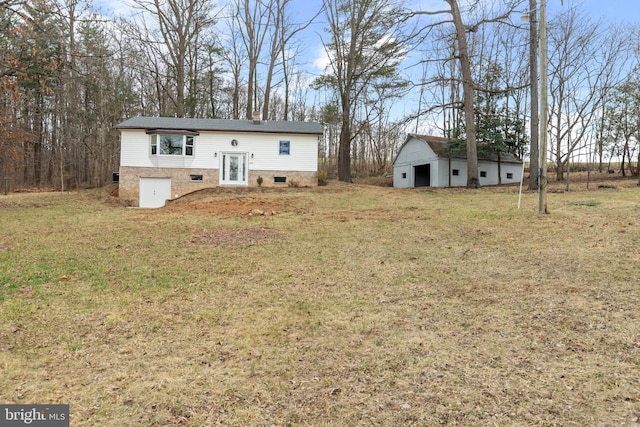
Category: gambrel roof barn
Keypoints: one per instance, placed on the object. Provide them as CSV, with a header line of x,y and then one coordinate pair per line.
x,y
426,161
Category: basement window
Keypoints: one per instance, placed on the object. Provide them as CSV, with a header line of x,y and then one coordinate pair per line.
x,y
279,179
509,175
483,174
455,172
196,178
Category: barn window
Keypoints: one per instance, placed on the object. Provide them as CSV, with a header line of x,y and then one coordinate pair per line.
x,y
483,174
455,172
509,175
404,175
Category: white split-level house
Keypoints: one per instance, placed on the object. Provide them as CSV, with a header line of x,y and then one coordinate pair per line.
x,y
164,158
422,161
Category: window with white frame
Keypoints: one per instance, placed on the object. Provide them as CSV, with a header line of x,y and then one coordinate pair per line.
x,y
285,147
172,145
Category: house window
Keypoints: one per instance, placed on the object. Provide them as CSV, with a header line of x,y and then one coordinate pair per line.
x,y
172,145
483,174
285,147
196,177
509,175
455,172
188,150
154,145
280,179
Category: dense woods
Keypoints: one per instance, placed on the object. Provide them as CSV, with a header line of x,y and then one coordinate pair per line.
x,y
69,73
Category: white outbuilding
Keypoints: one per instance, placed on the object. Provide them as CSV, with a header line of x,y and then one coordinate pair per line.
x,y
423,161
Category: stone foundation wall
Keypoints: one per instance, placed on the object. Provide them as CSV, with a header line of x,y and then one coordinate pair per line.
x,y
295,179
181,183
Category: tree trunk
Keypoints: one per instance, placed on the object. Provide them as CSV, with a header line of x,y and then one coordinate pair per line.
x,y
344,150
638,167
473,180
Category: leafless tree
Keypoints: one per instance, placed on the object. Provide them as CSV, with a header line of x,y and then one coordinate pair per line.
x,y
173,37
365,47
282,32
463,55
473,178
585,62
253,19
235,57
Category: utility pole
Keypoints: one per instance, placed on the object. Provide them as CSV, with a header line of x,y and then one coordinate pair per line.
x,y
542,187
534,125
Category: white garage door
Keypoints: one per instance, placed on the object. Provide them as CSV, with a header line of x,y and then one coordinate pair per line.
x,y
154,192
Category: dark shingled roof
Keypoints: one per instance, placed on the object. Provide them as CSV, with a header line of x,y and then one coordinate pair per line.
x,y
263,126
438,144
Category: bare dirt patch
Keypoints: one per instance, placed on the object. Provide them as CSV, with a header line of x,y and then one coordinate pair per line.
x,y
234,206
233,202
235,237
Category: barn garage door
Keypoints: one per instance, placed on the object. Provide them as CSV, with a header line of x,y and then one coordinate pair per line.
x,y
154,192
422,175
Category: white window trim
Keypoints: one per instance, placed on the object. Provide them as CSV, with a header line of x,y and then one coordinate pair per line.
x,y
288,153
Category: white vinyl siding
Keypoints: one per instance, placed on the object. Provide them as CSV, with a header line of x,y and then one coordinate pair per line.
x,y
263,150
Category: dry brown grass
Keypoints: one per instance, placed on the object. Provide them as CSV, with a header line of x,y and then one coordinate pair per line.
x,y
351,305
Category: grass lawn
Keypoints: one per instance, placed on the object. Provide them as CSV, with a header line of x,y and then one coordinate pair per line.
x,y
334,306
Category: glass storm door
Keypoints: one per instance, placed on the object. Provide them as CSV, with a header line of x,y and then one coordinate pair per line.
x,y
234,169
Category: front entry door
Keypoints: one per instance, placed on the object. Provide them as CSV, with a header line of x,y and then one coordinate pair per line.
x,y
234,169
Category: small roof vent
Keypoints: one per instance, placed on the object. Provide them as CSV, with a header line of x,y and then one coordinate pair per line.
x,y
256,117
